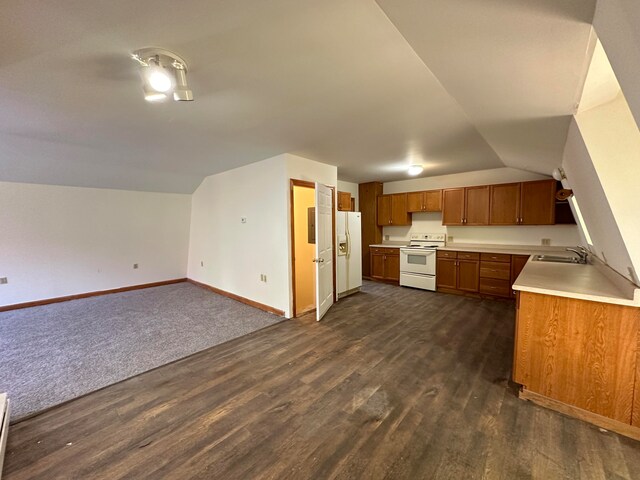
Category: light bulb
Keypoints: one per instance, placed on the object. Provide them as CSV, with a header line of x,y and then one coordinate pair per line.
x,y
158,78
150,95
415,170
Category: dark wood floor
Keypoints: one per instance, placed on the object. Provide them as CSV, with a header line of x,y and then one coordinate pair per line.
x,y
394,383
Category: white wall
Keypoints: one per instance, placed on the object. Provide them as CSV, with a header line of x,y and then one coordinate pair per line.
x,y
594,205
617,23
613,144
234,254
59,241
466,179
559,235
228,254
352,188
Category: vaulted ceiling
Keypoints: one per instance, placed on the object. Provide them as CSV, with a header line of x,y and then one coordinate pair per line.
x,y
369,87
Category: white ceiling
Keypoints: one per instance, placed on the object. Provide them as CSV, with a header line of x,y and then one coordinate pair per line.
x,y
371,88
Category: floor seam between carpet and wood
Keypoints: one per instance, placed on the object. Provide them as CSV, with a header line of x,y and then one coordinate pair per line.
x,y
54,353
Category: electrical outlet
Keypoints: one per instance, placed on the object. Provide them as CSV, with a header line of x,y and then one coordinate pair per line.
x,y
243,219
546,242
3,280
450,238
263,277
135,266
386,237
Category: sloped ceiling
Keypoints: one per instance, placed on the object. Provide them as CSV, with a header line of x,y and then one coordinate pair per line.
x,y
515,66
458,86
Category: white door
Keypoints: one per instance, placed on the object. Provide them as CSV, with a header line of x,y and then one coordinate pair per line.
x,y
324,250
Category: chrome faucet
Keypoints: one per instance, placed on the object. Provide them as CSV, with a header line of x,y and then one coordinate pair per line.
x,y
582,253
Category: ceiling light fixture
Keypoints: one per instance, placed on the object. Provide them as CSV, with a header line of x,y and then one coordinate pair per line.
x,y
559,174
163,72
414,170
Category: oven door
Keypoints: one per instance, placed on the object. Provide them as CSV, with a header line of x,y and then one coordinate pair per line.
x,y
413,260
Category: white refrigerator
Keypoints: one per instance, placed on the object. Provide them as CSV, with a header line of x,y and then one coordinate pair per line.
x,y
349,264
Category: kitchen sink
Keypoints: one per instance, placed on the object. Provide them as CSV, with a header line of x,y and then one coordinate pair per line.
x,y
555,259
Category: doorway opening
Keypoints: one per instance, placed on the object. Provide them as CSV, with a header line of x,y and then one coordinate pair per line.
x,y
304,250
303,245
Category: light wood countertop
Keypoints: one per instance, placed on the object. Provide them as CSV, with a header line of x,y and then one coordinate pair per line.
x,y
594,282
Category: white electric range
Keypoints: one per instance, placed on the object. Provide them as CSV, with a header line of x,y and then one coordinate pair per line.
x,y
418,260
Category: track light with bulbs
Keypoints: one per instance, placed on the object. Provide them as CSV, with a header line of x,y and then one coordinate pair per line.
x,y
163,74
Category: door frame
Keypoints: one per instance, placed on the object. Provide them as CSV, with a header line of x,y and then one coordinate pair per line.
x,y
305,183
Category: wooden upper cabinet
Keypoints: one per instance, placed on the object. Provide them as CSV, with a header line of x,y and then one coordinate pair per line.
x,y
384,210
429,201
392,210
344,201
453,206
399,213
505,204
415,201
477,205
538,203
433,200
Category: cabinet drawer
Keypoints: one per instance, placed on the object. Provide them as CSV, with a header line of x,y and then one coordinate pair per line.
x,y
499,288
495,257
446,254
468,256
385,251
501,271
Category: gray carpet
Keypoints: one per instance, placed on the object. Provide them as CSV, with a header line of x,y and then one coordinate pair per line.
x,y
56,352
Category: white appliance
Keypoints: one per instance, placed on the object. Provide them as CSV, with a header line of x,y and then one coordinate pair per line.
x,y
418,260
349,264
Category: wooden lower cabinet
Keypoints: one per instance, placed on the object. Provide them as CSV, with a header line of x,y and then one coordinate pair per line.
x,y
517,264
447,273
579,355
468,279
457,271
385,264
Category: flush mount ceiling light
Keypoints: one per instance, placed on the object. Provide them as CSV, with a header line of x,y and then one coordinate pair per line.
x,y
559,174
163,73
414,170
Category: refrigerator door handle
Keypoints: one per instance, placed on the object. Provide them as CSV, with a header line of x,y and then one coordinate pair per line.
x,y
348,243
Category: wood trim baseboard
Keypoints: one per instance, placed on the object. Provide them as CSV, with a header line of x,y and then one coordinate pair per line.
x,y
238,298
590,417
47,301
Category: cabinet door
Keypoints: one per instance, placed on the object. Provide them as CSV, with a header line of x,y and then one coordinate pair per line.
x,y
399,213
517,264
446,273
384,210
415,202
468,275
433,200
453,206
538,202
392,267
505,204
477,205
344,201
377,265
